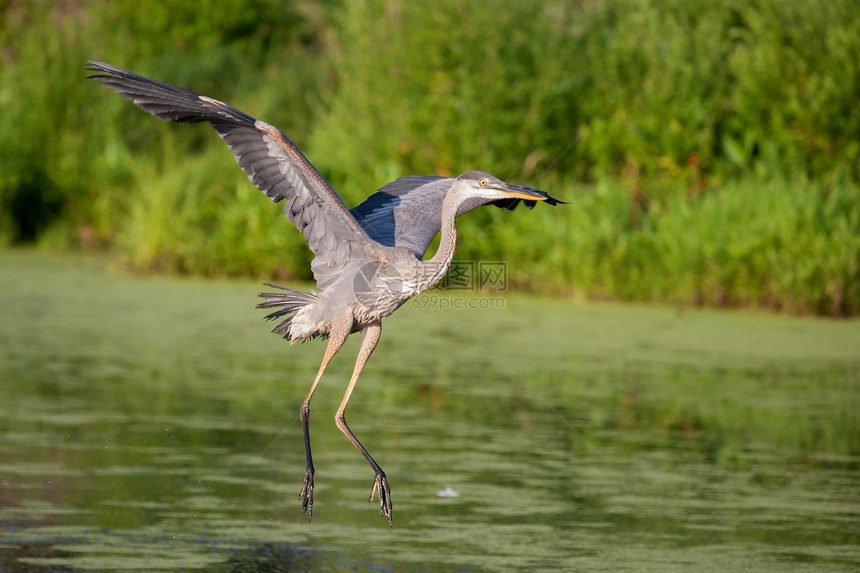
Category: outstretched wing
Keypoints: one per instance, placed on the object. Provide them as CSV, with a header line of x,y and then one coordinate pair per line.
x,y
272,162
408,211
405,213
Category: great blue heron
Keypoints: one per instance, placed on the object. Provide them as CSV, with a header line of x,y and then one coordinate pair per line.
x,y
368,260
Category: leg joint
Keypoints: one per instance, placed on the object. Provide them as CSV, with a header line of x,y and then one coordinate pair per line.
x,y
340,421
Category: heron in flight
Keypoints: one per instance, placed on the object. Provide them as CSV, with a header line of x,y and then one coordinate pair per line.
x,y
368,260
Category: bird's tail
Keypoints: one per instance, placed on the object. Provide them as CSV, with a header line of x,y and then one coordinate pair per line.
x,y
287,303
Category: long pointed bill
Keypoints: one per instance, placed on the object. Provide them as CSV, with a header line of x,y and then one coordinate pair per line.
x,y
508,191
511,195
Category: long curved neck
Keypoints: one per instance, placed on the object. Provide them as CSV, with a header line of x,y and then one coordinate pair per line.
x,y
433,269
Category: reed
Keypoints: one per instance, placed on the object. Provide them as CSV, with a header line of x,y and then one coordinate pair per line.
x,y
710,155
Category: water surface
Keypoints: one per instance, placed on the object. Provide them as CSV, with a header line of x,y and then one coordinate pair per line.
x,y
151,423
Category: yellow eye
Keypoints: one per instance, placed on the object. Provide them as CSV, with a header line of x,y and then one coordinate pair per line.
x,y
483,182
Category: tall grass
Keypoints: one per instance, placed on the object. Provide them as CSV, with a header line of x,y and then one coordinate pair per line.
x,y
779,245
70,154
709,150
666,94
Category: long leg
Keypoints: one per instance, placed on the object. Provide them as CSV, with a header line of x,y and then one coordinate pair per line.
x,y
369,338
336,339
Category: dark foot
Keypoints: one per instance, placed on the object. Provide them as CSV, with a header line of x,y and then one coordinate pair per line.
x,y
307,493
380,484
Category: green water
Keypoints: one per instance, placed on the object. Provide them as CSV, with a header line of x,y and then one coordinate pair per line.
x,y
151,423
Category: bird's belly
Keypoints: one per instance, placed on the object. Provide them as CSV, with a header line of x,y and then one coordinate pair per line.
x,y
373,307
365,307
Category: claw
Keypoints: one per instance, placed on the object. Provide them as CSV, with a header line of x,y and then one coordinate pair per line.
x,y
380,484
307,493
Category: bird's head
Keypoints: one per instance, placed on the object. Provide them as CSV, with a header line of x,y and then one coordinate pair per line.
x,y
478,188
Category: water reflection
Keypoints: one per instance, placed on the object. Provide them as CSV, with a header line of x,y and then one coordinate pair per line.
x,y
152,424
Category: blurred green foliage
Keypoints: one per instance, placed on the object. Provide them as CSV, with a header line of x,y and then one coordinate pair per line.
x,y
710,149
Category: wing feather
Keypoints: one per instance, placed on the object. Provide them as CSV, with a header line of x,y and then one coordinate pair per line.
x,y
407,212
271,161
